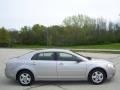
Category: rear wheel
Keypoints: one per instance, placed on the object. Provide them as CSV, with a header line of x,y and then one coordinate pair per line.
x,y
25,78
97,76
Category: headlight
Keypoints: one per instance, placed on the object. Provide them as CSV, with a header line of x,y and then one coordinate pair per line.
x,y
110,65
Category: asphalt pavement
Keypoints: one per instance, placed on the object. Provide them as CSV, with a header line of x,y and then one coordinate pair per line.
x,y
7,84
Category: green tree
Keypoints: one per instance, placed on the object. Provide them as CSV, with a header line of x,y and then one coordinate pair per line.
x,y
4,37
79,21
14,37
26,35
39,34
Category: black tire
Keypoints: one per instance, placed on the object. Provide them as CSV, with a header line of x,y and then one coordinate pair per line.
x,y
97,80
30,76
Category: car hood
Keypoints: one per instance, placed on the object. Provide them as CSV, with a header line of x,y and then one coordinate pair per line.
x,y
99,61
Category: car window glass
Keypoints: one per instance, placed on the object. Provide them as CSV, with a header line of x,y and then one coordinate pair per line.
x,y
66,57
43,56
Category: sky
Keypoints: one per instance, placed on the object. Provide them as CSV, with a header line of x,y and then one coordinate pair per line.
x,y
18,13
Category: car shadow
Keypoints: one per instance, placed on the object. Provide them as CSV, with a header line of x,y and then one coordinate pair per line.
x,y
5,81
68,83
61,83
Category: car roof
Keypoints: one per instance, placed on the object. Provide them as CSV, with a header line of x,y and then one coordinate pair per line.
x,y
54,50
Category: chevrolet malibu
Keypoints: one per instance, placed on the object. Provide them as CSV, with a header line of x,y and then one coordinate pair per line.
x,y
58,65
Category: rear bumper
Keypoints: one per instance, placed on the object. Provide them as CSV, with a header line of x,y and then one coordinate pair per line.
x,y
9,74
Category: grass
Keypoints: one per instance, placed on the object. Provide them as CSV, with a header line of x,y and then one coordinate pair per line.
x,y
105,48
115,46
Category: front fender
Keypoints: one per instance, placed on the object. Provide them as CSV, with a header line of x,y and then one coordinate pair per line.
x,y
90,67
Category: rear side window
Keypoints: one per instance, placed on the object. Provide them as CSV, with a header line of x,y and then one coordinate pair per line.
x,y
65,57
43,56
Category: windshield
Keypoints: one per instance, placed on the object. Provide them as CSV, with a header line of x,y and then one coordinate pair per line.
x,y
89,58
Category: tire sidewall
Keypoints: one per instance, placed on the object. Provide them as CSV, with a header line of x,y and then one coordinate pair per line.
x,y
28,72
90,76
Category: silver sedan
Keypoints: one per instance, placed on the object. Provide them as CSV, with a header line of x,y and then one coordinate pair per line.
x,y
58,64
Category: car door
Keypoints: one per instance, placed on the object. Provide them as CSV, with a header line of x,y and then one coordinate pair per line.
x,y
68,68
45,65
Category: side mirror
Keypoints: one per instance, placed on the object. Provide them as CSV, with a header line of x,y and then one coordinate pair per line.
x,y
89,58
78,60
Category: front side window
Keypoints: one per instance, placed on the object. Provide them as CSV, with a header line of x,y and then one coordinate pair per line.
x,y
65,57
43,56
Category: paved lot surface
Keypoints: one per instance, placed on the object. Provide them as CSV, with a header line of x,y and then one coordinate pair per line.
x,y
6,84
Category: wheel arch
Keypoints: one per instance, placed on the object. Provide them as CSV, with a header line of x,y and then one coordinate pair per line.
x,y
24,69
100,68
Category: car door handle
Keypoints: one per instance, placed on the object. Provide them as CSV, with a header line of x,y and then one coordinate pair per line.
x,y
61,64
33,64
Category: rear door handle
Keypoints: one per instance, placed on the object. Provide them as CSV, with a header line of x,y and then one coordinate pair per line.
x,y
61,64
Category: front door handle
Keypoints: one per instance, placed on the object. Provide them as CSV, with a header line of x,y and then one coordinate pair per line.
x,y
33,64
61,64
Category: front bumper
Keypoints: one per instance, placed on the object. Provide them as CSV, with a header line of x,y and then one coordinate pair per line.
x,y
111,73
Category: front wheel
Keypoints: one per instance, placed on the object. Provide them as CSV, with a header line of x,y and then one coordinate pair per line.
x,y
97,76
25,78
